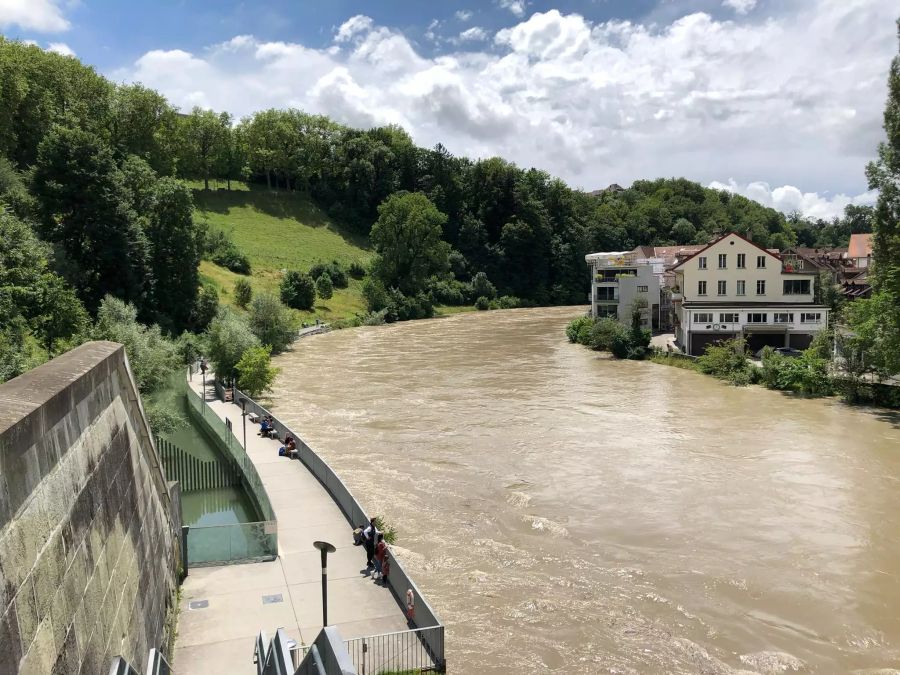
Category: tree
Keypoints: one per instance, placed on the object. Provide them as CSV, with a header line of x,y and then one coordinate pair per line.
x,y
255,371
683,232
143,123
324,287
205,307
153,357
482,287
243,293
175,249
62,315
85,208
271,322
407,240
205,139
228,337
879,320
298,290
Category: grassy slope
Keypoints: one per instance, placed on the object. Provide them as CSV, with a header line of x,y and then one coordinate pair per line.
x,y
280,231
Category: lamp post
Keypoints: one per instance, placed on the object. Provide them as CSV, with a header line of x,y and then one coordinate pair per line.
x,y
243,403
325,548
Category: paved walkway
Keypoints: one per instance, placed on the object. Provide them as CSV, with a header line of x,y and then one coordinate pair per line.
x,y
219,637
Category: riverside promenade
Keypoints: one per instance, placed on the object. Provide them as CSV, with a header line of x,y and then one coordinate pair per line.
x,y
223,608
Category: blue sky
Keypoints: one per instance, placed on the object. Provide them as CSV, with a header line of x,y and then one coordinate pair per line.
x,y
780,100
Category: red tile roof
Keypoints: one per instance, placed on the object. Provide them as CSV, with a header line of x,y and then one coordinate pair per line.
x,y
860,246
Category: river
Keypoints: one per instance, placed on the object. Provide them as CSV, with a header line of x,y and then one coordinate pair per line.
x,y
564,512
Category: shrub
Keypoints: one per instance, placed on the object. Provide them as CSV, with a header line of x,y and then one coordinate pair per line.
x,y
255,371
298,290
602,334
450,292
482,303
508,302
190,347
243,292
724,360
374,318
375,294
575,326
271,322
356,270
221,249
406,308
333,270
482,287
324,287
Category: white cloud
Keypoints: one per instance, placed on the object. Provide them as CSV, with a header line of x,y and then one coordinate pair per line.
x,y
517,7
473,34
740,6
60,48
464,15
43,16
789,199
795,99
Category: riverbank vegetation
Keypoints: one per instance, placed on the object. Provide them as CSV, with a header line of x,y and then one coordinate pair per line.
x,y
107,190
609,335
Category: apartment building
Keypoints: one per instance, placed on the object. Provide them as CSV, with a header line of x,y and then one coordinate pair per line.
x,y
735,288
618,279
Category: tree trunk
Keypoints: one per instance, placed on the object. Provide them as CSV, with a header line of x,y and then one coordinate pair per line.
x,y
269,179
206,182
228,180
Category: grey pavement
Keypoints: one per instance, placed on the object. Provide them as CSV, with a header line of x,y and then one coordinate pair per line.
x,y
219,637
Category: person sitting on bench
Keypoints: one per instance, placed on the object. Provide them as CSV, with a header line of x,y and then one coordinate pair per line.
x,y
265,428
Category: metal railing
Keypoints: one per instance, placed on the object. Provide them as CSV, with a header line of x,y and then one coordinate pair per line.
x,y
194,473
403,651
156,665
273,658
398,581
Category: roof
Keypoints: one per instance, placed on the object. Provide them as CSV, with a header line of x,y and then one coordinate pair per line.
x,y
725,236
860,246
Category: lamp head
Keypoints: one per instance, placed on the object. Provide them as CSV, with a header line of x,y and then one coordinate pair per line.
x,y
324,546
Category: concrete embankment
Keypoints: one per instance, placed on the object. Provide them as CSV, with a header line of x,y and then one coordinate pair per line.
x,y
89,544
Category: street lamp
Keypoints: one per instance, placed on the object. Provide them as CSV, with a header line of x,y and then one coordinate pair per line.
x,y
243,403
325,548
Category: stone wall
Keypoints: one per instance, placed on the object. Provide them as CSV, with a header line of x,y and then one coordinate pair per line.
x,y
89,537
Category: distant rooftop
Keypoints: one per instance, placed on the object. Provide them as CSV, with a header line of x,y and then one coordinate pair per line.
x,y
860,246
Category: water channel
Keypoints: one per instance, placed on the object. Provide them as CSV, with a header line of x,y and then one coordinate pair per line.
x,y
569,513
201,508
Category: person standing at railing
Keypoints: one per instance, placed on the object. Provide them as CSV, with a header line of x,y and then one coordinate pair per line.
x,y
370,534
380,551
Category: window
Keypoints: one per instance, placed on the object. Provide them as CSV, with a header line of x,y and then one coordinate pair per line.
x,y
703,317
701,262
784,317
604,311
641,289
741,287
811,317
723,257
760,261
761,287
605,293
742,260
729,317
757,318
722,288
701,288
796,287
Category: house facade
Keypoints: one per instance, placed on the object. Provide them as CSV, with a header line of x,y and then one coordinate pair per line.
x,y
618,279
734,288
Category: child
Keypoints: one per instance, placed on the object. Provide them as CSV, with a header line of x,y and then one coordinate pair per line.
x,y
385,568
380,552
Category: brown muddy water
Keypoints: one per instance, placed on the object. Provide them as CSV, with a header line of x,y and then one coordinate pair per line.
x,y
567,513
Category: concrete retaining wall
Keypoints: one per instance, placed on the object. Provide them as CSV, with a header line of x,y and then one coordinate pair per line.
x,y
89,527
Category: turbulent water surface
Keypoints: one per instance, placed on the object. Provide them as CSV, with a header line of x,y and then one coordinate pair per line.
x,y
568,513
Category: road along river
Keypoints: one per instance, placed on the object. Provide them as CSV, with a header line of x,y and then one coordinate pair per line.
x,y
569,513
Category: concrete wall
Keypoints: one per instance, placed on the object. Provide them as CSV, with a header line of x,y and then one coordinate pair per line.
x,y
88,533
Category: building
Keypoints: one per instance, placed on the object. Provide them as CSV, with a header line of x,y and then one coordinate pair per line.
x,y
618,279
734,288
859,252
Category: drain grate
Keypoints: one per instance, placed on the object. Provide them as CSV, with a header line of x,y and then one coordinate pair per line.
x,y
271,599
198,604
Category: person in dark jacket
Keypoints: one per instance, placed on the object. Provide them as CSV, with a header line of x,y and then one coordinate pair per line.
x,y
370,536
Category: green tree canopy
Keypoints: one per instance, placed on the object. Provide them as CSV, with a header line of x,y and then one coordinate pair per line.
x,y
407,239
324,287
227,338
255,371
272,322
298,290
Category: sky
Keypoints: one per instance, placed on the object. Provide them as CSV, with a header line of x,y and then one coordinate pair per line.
x,y
779,100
